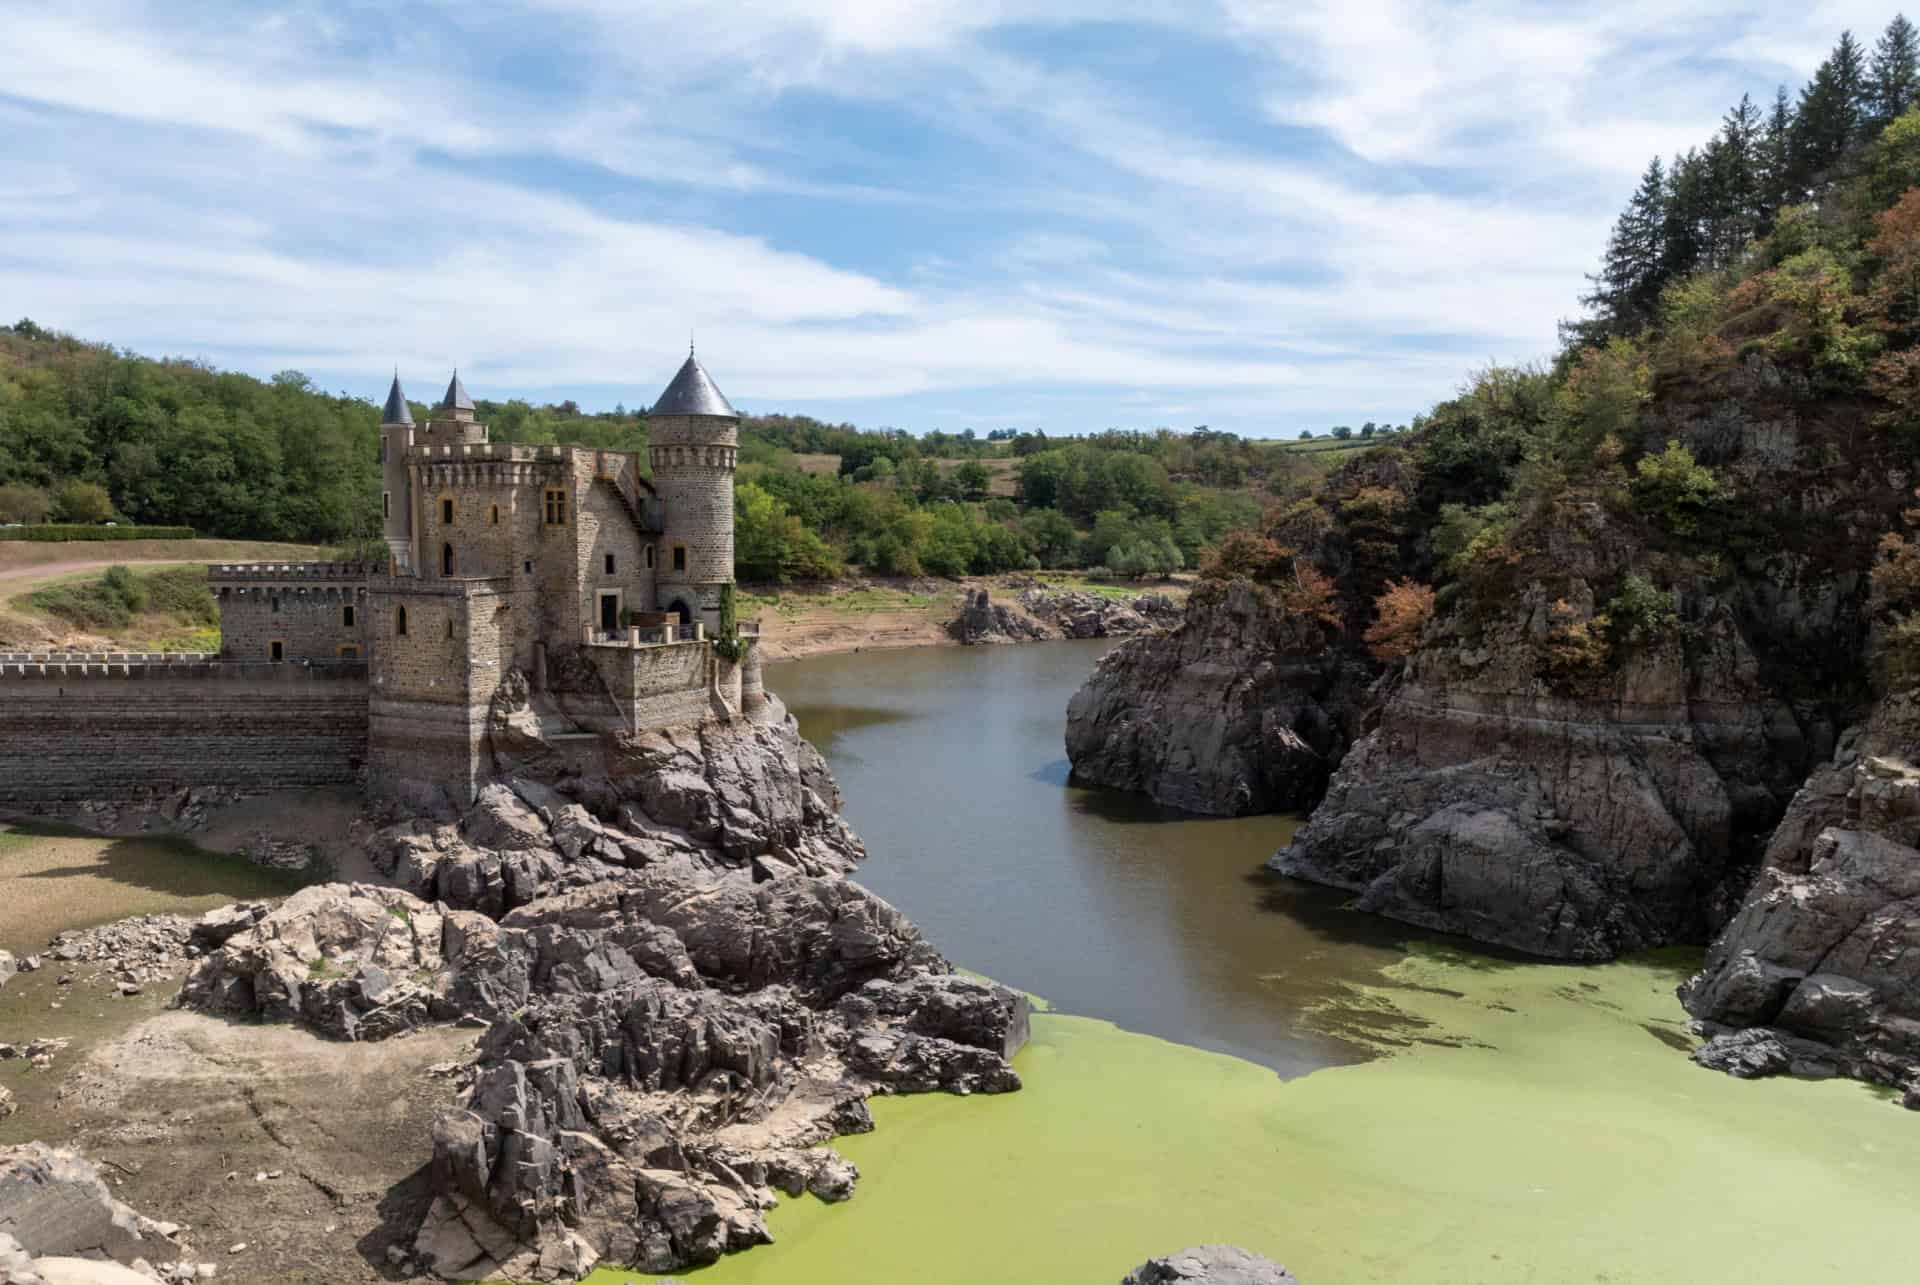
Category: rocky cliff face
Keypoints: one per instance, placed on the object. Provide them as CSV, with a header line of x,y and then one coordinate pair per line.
x,y
1491,803
683,997
1239,708
1819,971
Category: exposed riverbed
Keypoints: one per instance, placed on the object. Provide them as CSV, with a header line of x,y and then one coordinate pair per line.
x,y
1472,1118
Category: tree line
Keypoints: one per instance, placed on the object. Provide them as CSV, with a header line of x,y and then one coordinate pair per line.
x,y
1703,208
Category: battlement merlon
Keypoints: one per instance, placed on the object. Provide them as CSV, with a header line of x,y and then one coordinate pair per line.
x,y
77,665
277,572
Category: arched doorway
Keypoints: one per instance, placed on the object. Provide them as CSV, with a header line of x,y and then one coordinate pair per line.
x,y
681,609
446,559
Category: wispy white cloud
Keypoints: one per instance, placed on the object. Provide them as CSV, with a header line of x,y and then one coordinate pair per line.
x,y
870,207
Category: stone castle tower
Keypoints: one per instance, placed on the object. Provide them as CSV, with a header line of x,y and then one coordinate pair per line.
x,y
693,446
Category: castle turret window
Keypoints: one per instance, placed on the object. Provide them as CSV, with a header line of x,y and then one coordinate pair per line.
x,y
400,621
649,557
346,617
609,564
556,506
446,559
446,510
493,516
679,557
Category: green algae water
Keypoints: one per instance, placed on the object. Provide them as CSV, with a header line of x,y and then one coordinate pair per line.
x,y
1236,1059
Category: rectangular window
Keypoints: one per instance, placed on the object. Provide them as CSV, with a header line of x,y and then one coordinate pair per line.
x,y
556,507
386,504
446,512
609,564
527,566
383,449
679,557
349,653
276,650
273,603
346,617
493,516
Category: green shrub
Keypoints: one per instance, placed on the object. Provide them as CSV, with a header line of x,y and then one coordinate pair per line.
x,y
54,532
112,601
1672,488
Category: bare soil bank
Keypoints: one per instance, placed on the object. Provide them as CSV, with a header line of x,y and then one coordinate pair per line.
x,y
884,612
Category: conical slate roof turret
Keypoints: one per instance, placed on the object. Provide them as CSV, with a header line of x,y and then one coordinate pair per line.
x,y
396,411
693,392
456,398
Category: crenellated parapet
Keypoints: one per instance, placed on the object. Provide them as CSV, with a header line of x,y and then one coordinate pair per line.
x,y
287,572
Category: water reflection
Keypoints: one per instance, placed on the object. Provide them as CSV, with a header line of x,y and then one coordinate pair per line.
x,y
1107,905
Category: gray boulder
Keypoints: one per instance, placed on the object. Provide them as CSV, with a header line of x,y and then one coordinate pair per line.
x,y
53,1203
1211,1265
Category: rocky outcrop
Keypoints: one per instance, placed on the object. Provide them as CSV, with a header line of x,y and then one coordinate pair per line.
x,y
1241,707
1078,614
683,997
53,1203
1494,802
1211,1265
1819,971
982,620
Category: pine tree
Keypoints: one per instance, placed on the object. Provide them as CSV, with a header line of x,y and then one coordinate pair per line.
x,y
1776,159
1629,281
1682,239
1736,164
1893,79
1828,117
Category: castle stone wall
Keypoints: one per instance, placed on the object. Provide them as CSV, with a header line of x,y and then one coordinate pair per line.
x,y
105,728
670,685
430,692
315,610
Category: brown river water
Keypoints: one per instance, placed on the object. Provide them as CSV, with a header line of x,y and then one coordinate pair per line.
x,y
954,769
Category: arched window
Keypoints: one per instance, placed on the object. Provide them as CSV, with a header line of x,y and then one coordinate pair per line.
x,y
400,621
446,559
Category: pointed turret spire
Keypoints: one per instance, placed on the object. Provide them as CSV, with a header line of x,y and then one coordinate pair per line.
x,y
693,392
396,411
456,398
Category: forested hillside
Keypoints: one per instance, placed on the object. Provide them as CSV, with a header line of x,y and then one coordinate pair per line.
x,y
89,433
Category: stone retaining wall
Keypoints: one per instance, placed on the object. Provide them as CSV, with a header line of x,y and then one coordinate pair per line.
x,y
107,726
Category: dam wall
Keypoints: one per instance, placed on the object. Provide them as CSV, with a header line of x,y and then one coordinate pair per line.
x,y
134,725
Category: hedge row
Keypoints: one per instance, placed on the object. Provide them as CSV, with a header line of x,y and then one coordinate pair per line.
x,y
55,531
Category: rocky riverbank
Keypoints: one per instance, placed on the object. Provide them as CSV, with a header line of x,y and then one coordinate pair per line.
x,y
1816,974
680,998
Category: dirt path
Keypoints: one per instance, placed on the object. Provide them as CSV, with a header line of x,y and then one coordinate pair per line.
x,y
27,560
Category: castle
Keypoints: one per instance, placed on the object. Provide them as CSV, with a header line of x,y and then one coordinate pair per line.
x,y
604,588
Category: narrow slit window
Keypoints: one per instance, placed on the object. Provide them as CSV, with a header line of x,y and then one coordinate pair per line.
x,y
446,512
679,557
386,504
346,617
493,516
400,621
446,559
609,564
449,627
649,557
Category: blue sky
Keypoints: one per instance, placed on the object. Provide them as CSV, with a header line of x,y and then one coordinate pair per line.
x,y
1261,215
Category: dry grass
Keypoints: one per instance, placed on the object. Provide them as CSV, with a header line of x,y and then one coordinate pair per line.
x,y
825,465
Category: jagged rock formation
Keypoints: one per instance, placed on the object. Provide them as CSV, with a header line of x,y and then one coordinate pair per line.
x,y
1818,972
1211,1265
1092,615
683,997
982,620
1572,826
1240,708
